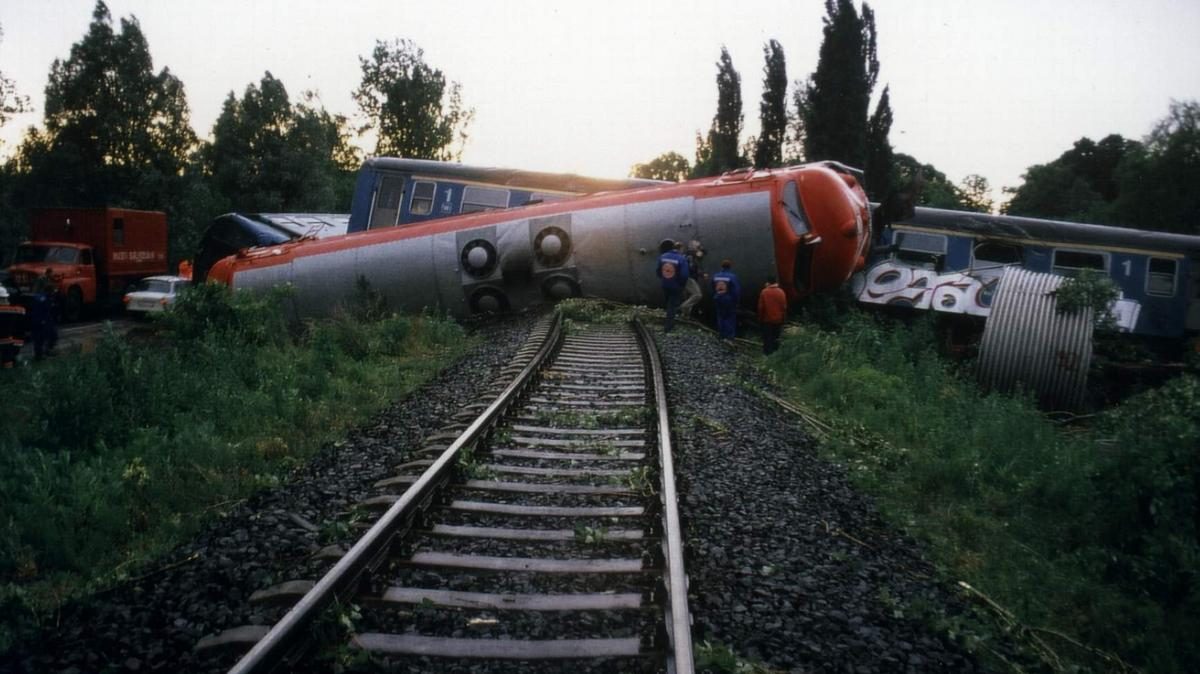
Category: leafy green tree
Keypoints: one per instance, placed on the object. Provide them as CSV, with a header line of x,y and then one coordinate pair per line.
x,y
719,151
976,194
410,106
1080,185
1158,181
270,155
768,150
116,131
833,108
667,166
929,186
11,102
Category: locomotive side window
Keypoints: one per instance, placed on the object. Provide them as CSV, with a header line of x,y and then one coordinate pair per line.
x,y
422,198
795,213
919,249
1071,262
477,199
1160,277
995,253
386,211
118,236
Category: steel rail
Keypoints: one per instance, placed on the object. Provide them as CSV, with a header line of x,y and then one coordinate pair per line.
x,y
678,618
285,635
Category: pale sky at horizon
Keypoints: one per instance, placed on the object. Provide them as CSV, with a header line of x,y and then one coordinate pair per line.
x,y
977,86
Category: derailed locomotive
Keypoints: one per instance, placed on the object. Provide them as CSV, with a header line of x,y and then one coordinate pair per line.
x,y
809,225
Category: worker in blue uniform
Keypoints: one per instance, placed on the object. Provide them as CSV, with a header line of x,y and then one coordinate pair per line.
x,y
672,270
727,292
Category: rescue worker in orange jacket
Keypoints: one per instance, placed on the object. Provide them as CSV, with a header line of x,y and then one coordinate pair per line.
x,y
772,311
12,330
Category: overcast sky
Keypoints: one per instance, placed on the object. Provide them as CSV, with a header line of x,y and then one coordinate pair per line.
x,y
977,86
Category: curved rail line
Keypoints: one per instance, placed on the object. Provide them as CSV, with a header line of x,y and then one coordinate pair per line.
x,y
570,441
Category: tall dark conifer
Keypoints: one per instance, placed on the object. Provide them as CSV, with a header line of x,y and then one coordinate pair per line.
x,y
879,157
833,108
768,151
719,151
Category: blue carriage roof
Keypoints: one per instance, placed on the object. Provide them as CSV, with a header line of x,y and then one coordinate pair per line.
x,y
562,182
987,226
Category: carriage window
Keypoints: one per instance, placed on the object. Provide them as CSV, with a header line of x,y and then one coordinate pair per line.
x,y
1160,277
991,252
118,236
544,197
1071,262
795,213
386,211
477,199
927,251
422,198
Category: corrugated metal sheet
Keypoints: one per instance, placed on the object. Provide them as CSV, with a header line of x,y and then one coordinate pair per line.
x,y
1028,345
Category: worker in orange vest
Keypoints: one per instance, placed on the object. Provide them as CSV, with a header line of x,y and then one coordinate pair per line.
x,y
772,311
12,330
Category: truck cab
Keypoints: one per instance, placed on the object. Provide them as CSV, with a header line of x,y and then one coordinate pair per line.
x,y
72,273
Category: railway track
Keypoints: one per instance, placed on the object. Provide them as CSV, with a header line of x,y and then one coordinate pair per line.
x,y
539,530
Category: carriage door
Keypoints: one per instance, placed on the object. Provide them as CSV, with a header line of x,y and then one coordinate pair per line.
x,y
385,212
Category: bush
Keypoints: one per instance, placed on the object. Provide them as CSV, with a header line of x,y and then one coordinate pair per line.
x,y
116,454
1092,533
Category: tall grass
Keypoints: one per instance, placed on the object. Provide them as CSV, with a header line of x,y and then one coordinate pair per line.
x,y
1086,535
110,457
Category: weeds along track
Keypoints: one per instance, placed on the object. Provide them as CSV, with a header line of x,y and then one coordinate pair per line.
x,y
538,531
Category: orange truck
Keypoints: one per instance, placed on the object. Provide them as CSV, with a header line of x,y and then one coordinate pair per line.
x,y
93,254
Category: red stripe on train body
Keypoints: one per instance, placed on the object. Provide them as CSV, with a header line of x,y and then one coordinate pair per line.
x,y
809,225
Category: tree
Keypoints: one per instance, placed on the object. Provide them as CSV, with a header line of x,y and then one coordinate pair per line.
x,y
667,166
116,132
1157,182
768,151
976,193
832,110
1080,185
930,186
719,151
410,106
270,155
11,102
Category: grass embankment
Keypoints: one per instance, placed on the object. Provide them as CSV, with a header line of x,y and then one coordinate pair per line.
x,y
111,457
1090,537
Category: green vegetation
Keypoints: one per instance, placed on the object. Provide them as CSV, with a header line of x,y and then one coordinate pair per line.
x,y
111,457
714,656
595,310
1090,290
1076,541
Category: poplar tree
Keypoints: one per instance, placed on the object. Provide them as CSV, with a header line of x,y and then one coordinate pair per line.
x,y
719,151
834,103
879,157
768,149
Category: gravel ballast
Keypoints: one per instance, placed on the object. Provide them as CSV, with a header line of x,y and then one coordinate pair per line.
x,y
789,565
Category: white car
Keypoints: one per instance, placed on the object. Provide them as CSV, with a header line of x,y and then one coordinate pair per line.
x,y
154,293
